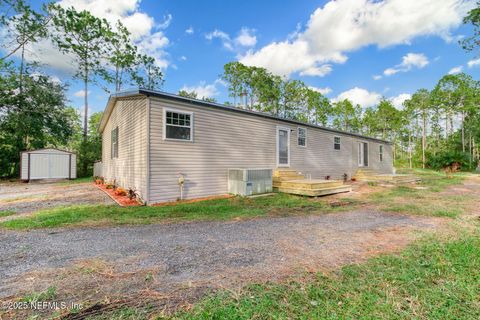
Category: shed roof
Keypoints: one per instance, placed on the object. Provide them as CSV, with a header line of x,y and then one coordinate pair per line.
x,y
42,150
202,103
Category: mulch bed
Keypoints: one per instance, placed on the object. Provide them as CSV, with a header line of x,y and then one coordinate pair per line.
x,y
122,201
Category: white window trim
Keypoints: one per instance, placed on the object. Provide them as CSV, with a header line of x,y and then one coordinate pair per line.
x,y
114,146
338,143
298,136
165,110
368,154
284,165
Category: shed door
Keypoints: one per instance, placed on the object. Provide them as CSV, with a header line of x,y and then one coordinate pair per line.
x,y
49,166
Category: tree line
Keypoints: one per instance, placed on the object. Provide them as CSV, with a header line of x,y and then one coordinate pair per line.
x,y
34,109
432,129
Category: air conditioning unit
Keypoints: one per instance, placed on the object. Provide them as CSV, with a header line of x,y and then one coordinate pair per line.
x,y
246,182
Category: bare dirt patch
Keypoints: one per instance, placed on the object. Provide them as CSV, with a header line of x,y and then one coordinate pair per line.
x,y
27,198
168,266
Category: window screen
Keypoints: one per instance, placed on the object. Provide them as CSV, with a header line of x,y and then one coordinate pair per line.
x,y
380,152
114,143
178,125
302,137
336,143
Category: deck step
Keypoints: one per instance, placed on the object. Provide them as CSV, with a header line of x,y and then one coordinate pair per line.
x,y
308,184
393,178
315,192
287,178
285,173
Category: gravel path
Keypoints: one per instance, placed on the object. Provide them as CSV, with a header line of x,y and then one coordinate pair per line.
x,y
216,252
25,198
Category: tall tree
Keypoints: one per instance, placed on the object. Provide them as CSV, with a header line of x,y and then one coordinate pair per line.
x,y
148,74
25,27
123,56
40,120
346,116
419,106
319,107
22,24
83,37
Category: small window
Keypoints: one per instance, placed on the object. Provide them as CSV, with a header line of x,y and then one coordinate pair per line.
x,y
114,142
302,137
336,143
380,152
178,125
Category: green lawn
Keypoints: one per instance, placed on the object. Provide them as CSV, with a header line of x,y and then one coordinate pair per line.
x,y
432,279
222,209
404,199
6,213
423,198
78,180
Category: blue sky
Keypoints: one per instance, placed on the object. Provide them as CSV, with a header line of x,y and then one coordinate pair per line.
x,y
336,47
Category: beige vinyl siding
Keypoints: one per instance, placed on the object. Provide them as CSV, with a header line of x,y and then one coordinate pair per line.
x,y
129,170
225,139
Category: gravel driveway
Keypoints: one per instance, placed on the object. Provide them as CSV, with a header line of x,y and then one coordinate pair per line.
x,y
179,255
25,198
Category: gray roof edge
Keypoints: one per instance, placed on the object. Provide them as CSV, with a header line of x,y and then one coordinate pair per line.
x,y
175,97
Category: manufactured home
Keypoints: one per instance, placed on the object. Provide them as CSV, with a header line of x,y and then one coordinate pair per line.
x,y
153,140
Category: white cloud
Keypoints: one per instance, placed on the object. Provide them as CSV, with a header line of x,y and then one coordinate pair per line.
x,y
145,32
409,61
344,26
473,63
189,30
323,91
359,96
377,77
223,36
183,58
399,100
319,71
455,70
205,90
80,93
246,38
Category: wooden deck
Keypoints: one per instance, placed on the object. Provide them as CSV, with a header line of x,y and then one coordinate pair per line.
x,y
293,182
367,174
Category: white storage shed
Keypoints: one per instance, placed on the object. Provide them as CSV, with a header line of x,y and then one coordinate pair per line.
x,y
48,163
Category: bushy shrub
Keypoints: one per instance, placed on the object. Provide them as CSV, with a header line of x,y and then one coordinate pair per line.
x,y
451,160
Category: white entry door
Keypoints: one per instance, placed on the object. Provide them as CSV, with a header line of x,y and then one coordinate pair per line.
x,y
283,147
363,154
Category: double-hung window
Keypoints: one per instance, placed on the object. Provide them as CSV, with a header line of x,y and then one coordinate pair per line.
x,y
380,152
302,137
178,125
114,143
336,143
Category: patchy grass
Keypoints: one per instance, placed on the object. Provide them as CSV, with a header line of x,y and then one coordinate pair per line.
x,y
25,198
423,198
75,181
221,209
432,279
6,213
47,295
